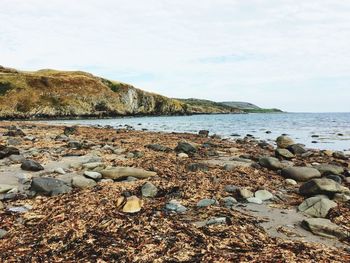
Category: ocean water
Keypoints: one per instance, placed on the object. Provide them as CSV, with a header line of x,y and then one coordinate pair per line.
x,y
332,129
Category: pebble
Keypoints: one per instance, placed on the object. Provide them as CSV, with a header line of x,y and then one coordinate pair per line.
x,y
206,202
291,182
149,190
93,175
82,182
133,205
182,155
245,193
175,206
229,201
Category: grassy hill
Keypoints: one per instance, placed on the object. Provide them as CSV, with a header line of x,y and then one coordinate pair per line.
x,y
198,105
58,94
249,107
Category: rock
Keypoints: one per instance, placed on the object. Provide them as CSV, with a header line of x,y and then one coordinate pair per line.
x,y
300,173
284,142
317,206
14,133
231,188
7,151
291,182
49,186
93,175
182,155
149,190
186,147
123,172
229,201
204,133
194,167
133,205
271,163
19,209
245,193
216,220
206,202
334,177
59,170
3,233
283,154
82,182
324,227
62,138
4,188
322,186
232,165
70,130
297,149
340,155
158,148
263,195
254,200
30,165
107,181
1,206
138,154
329,169
74,145
92,165
175,206
13,141
341,197
16,158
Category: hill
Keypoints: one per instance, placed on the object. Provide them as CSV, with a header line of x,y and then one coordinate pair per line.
x,y
199,105
58,94
249,107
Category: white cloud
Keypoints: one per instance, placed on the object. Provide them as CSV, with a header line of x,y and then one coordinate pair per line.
x,y
288,50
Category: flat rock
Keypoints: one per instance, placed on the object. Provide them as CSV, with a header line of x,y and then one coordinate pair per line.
x,y
317,206
271,163
300,173
322,186
82,182
324,227
93,175
254,200
149,190
133,205
123,172
206,202
4,188
175,206
284,154
284,142
30,165
326,169
49,186
263,195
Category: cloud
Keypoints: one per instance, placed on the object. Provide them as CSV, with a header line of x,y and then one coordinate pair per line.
x,y
274,53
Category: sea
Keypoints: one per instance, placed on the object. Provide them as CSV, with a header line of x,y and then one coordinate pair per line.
x,y
314,130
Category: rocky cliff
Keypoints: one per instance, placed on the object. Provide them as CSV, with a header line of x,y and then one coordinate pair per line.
x,y
59,94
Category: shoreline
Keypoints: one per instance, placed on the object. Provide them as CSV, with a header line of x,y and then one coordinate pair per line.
x,y
210,178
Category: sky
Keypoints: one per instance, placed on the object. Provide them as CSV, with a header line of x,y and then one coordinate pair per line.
x,y
288,54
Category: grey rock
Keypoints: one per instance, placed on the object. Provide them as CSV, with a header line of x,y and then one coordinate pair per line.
x,y
59,170
340,155
92,165
69,130
19,209
271,163
324,227
4,188
3,233
158,148
30,165
175,206
16,158
149,190
297,149
317,206
329,169
186,147
206,202
284,142
74,145
300,173
14,142
334,177
254,200
7,151
231,188
204,133
93,175
216,220
49,186
263,195
194,167
341,197
83,182
229,201
123,172
322,186
284,154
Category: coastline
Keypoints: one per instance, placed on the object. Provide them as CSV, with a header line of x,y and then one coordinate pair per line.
x,y
214,171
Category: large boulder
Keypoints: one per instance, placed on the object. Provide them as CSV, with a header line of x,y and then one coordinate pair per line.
x,y
123,172
317,206
30,165
284,142
49,186
322,186
326,169
300,173
324,227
